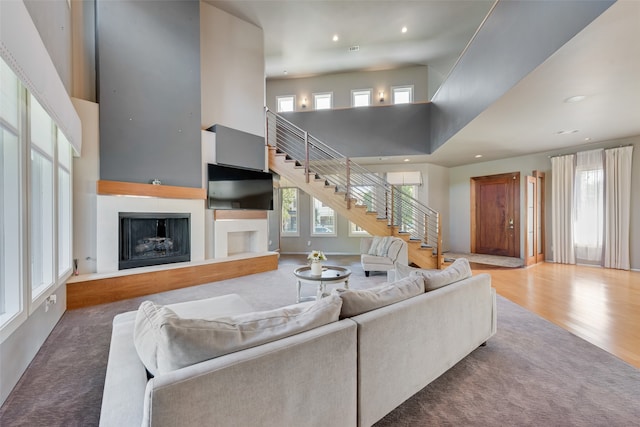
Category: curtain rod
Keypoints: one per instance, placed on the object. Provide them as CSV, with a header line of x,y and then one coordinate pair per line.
x,y
608,148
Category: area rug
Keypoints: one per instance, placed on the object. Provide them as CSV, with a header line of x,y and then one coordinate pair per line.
x,y
530,373
499,261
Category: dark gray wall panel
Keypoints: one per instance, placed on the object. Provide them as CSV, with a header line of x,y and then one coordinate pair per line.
x,y
237,148
149,91
393,130
516,38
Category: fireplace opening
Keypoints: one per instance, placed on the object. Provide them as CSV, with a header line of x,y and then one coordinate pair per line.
x,y
153,239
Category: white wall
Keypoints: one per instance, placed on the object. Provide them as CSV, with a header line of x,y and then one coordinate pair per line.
x,y
86,173
341,85
459,194
231,71
232,87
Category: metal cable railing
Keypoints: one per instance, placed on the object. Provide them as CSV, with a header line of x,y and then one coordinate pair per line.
x,y
359,185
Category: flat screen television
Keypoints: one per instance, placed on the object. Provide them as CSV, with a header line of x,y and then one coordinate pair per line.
x,y
238,188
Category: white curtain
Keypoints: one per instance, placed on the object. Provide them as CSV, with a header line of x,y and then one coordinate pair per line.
x,y
563,172
588,218
617,207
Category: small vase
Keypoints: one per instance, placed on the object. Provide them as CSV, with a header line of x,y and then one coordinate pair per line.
x,y
316,268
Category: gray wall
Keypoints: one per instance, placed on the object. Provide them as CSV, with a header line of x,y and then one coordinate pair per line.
x,y
341,84
515,38
149,91
304,243
237,148
392,130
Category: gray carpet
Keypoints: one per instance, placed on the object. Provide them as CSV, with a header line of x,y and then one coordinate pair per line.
x,y
530,373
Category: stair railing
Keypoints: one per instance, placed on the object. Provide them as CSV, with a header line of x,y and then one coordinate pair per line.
x,y
359,185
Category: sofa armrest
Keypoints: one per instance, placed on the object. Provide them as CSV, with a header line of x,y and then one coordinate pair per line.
x,y
126,377
306,379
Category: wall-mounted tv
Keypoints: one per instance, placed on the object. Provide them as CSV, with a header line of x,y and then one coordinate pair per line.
x,y
238,188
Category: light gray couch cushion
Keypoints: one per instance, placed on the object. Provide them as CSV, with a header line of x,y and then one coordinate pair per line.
x,y
357,301
403,271
434,279
166,342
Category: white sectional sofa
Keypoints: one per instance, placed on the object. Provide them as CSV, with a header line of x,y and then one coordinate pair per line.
x,y
349,372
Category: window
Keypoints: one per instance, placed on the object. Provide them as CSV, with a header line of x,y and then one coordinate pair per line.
x,y
10,192
64,205
361,98
356,231
405,212
323,219
289,197
588,222
41,212
323,101
286,103
35,242
402,94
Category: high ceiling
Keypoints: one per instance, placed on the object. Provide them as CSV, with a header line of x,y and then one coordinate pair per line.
x,y
602,63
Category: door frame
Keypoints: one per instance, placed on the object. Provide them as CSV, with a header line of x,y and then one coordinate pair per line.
x,y
515,200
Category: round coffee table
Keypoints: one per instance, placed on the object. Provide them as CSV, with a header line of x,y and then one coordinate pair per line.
x,y
330,275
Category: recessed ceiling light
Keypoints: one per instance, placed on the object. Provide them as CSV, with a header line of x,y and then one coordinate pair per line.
x,y
285,72
587,139
477,156
404,29
406,160
335,38
566,132
576,98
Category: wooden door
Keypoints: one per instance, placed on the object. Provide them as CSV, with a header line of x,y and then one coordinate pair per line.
x,y
495,214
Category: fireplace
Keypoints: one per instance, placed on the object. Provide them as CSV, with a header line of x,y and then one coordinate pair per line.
x,y
153,238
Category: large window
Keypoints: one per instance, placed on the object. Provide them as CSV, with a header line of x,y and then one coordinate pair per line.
x,y
323,219
289,197
36,207
323,101
41,208
589,207
64,205
361,98
10,185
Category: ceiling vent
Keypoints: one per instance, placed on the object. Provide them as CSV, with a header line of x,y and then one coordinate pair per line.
x,y
354,48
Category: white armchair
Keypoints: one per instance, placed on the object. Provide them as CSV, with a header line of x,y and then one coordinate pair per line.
x,y
380,253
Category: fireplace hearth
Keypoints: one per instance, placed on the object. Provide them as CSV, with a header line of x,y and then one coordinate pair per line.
x,y
153,238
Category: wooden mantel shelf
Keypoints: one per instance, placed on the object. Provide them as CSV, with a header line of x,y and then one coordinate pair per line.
x,y
118,188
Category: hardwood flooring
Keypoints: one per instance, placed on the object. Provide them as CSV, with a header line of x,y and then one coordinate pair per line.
x,y
599,305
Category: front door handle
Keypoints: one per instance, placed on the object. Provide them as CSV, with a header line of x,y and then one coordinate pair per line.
x,y
511,223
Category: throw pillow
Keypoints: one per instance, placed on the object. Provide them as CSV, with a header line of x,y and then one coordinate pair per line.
x,y
434,279
375,242
383,247
403,271
358,301
166,342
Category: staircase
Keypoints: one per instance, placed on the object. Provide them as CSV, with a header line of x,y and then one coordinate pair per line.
x,y
352,191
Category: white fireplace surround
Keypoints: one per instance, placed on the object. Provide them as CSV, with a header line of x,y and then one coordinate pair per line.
x,y
234,237
108,208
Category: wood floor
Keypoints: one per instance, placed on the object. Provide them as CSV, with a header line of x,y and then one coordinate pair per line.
x,y
599,305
